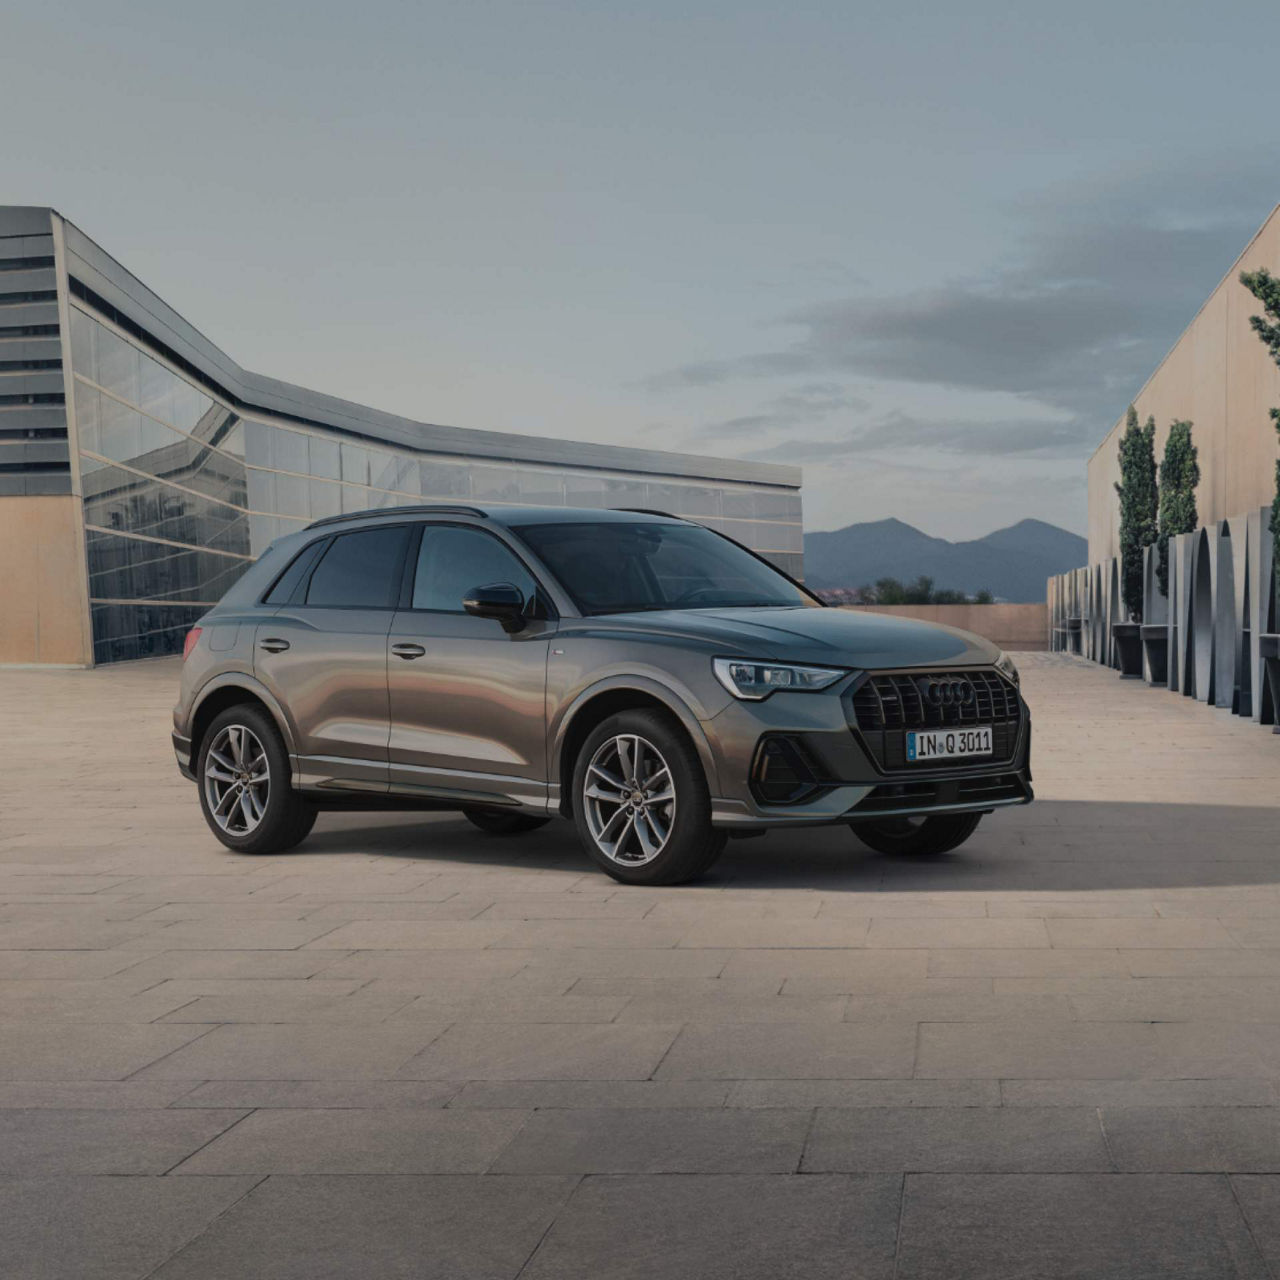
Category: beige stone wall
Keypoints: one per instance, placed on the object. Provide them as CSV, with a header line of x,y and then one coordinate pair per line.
x,y
1220,376
1011,626
42,594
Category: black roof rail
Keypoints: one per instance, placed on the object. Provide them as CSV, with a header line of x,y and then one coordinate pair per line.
x,y
650,511
449,509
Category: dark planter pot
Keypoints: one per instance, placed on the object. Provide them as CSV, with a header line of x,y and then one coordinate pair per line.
x,y
1155,640
1073,635
1128,639
1269,649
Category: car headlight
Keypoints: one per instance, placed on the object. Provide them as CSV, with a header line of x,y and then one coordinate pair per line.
x,y
1004,664
756,680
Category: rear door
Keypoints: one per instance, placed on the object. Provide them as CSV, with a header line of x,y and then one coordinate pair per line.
x,y
468,699
324,656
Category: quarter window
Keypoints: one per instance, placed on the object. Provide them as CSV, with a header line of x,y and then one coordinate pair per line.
x,y
453,560
360,570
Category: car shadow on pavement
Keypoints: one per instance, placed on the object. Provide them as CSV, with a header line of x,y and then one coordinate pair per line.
x,y
1052,845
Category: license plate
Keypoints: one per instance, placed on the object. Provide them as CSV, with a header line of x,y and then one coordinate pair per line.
x,y
943,744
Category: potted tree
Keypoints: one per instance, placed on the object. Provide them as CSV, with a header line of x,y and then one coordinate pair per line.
x,y
1138,530
1266,288
1179,475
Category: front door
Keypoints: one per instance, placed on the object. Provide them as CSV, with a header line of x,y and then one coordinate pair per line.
x,y
324,656
468,699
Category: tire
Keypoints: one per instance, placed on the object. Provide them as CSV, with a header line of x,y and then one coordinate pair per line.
x,y
939,834
494,822
642,837
273,817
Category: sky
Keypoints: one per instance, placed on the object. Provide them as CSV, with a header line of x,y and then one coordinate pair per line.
x,y
926,251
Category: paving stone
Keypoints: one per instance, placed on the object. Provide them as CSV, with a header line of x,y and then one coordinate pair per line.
x,y
85,1050
956,1140
1138,1093
336,1051
732,1008
1127,934
864,1093
982,934
773,932
791,1050
1259,1198
1073,1227
708,1227
543,1051
1219,1139
646,1141
310,1094
1100,1050
104,1228
599,1094
391,1228
369,1141
43,1142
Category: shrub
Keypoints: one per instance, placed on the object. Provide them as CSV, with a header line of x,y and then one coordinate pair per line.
x,y
1139,507
1179,475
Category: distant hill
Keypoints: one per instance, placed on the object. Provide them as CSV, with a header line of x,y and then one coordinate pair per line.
x,y
1011,563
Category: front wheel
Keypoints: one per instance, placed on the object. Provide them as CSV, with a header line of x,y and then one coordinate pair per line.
x,y
938,834
245,791
641,803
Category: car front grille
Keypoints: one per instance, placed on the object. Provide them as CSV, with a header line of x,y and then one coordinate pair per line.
x,y
887,705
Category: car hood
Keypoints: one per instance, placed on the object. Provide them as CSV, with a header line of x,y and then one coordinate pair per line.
x,y
830,637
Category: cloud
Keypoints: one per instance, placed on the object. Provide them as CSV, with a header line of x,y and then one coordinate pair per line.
x,y
1098,284
897,432
804,404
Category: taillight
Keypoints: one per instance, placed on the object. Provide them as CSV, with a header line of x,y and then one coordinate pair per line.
x,y
190,643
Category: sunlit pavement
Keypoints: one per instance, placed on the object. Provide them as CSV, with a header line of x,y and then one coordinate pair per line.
x,y
410,1050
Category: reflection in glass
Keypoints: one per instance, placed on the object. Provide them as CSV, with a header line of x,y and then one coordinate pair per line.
x,y
119,500
125,631
122,568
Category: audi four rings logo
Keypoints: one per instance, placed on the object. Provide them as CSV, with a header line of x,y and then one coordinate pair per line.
x,y
947,693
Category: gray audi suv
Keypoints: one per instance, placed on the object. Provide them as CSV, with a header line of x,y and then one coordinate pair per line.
x,y
641,675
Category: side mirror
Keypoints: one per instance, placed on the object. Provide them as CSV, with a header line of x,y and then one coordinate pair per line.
x,y
499,600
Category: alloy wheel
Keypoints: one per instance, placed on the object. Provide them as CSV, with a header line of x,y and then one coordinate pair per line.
x,y
629,799
237,780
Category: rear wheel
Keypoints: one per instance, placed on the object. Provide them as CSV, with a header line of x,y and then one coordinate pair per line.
x,y
938,834
244,784
641,803
494,822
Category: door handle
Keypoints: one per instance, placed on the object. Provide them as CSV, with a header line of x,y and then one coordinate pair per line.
x,y
408,651
273,644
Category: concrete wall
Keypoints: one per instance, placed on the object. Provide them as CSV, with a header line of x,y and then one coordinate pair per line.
x,y
1220,376
42,594
1011,626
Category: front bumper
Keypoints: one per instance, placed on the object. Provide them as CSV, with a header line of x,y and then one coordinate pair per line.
x,y
847,766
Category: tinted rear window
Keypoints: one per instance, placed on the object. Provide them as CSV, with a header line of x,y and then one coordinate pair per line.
x,y
360,570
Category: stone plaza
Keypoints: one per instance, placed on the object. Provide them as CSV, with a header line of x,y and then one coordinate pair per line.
x,y
412,1050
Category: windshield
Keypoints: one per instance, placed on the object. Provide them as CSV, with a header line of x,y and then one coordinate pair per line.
x,y
617,567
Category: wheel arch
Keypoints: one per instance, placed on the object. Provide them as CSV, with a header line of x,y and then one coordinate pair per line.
x,y
231,691
598,703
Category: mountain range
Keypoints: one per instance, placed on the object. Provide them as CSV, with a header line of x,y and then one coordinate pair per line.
x,y
1011,563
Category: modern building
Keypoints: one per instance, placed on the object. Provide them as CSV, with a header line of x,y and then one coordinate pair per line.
x,y
1221,597
142,469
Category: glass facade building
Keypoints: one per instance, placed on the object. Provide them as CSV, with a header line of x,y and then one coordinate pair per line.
x,y
185,467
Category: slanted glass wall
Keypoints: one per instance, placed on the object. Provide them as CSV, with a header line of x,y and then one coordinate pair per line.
x,y
182,492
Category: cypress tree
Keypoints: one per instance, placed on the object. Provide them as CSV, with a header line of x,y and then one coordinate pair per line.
x,y
1266,288
1139,506
1179,475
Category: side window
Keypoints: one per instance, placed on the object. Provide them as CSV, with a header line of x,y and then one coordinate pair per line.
x,y
360,570
287,582
452,560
